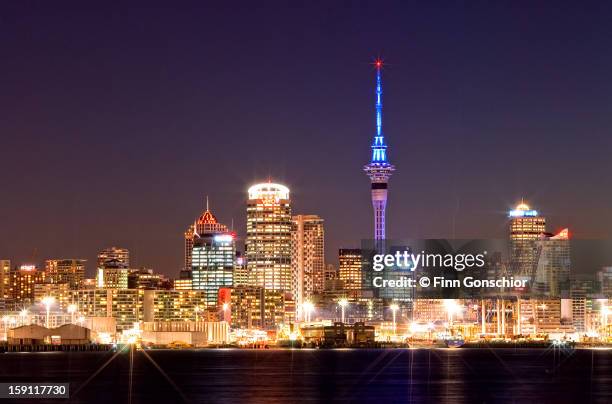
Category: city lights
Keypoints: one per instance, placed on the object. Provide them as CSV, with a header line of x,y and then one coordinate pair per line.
x,y
343,303
308,308
48,301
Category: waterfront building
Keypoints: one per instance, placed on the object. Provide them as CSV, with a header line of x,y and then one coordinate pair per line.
x,y
268,241
349,269
174,305
379,169
581,295
308,257
198,334
125,305
429,311
70,271
257,307
526,228
543,317
59,291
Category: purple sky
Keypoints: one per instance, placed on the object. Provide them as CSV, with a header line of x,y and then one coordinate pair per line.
x,y
116,122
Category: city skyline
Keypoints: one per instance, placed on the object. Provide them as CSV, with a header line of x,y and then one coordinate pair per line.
x,y
113,169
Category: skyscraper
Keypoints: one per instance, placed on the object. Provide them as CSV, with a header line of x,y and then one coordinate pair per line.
x,y
553,269
70,271
5,269
212,263
268,241
379,169
526,227
114,257
307,258
349,268
206,223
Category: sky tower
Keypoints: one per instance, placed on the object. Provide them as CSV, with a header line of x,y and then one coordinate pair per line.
x,y
379,170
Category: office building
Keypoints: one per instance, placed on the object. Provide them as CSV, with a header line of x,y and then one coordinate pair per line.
x,y
553,266
5,270
268,241
22,281
70,271
308,257
114,257
206,223
212,258
526,228
112,278
349,269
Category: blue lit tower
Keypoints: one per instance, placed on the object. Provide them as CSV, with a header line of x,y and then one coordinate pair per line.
x,y
379,170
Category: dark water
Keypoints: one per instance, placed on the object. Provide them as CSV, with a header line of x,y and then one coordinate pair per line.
x,y
279,376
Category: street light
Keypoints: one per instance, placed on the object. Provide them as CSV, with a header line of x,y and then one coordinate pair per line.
x,y
6,320
23,315
72,308
308,309
394,307
343,303
48,302
451,308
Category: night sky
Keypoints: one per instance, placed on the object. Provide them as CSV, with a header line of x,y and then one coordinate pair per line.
x,y
116,122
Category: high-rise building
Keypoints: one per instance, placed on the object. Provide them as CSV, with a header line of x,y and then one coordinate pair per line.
x,y
604,276
241,272
308,257
70,271
112,278
212,259
22,281
114,257
256,307
268,241
553,267
5,269
526,228
205,224
379,169
349,269
144,278
174,305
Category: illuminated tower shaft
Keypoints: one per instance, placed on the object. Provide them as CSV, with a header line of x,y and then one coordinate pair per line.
x,y
379,170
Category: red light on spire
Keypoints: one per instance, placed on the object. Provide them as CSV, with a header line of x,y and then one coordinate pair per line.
x,y
378,63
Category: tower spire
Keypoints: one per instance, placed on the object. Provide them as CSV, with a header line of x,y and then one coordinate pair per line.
x,y
379,148
207,203
379,170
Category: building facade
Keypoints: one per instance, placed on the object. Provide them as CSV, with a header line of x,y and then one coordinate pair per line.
x,y
70,271
308,257
114,257
526,228
349,268
268,241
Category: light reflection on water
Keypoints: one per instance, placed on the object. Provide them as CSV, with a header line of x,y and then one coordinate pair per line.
x,y
275,376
